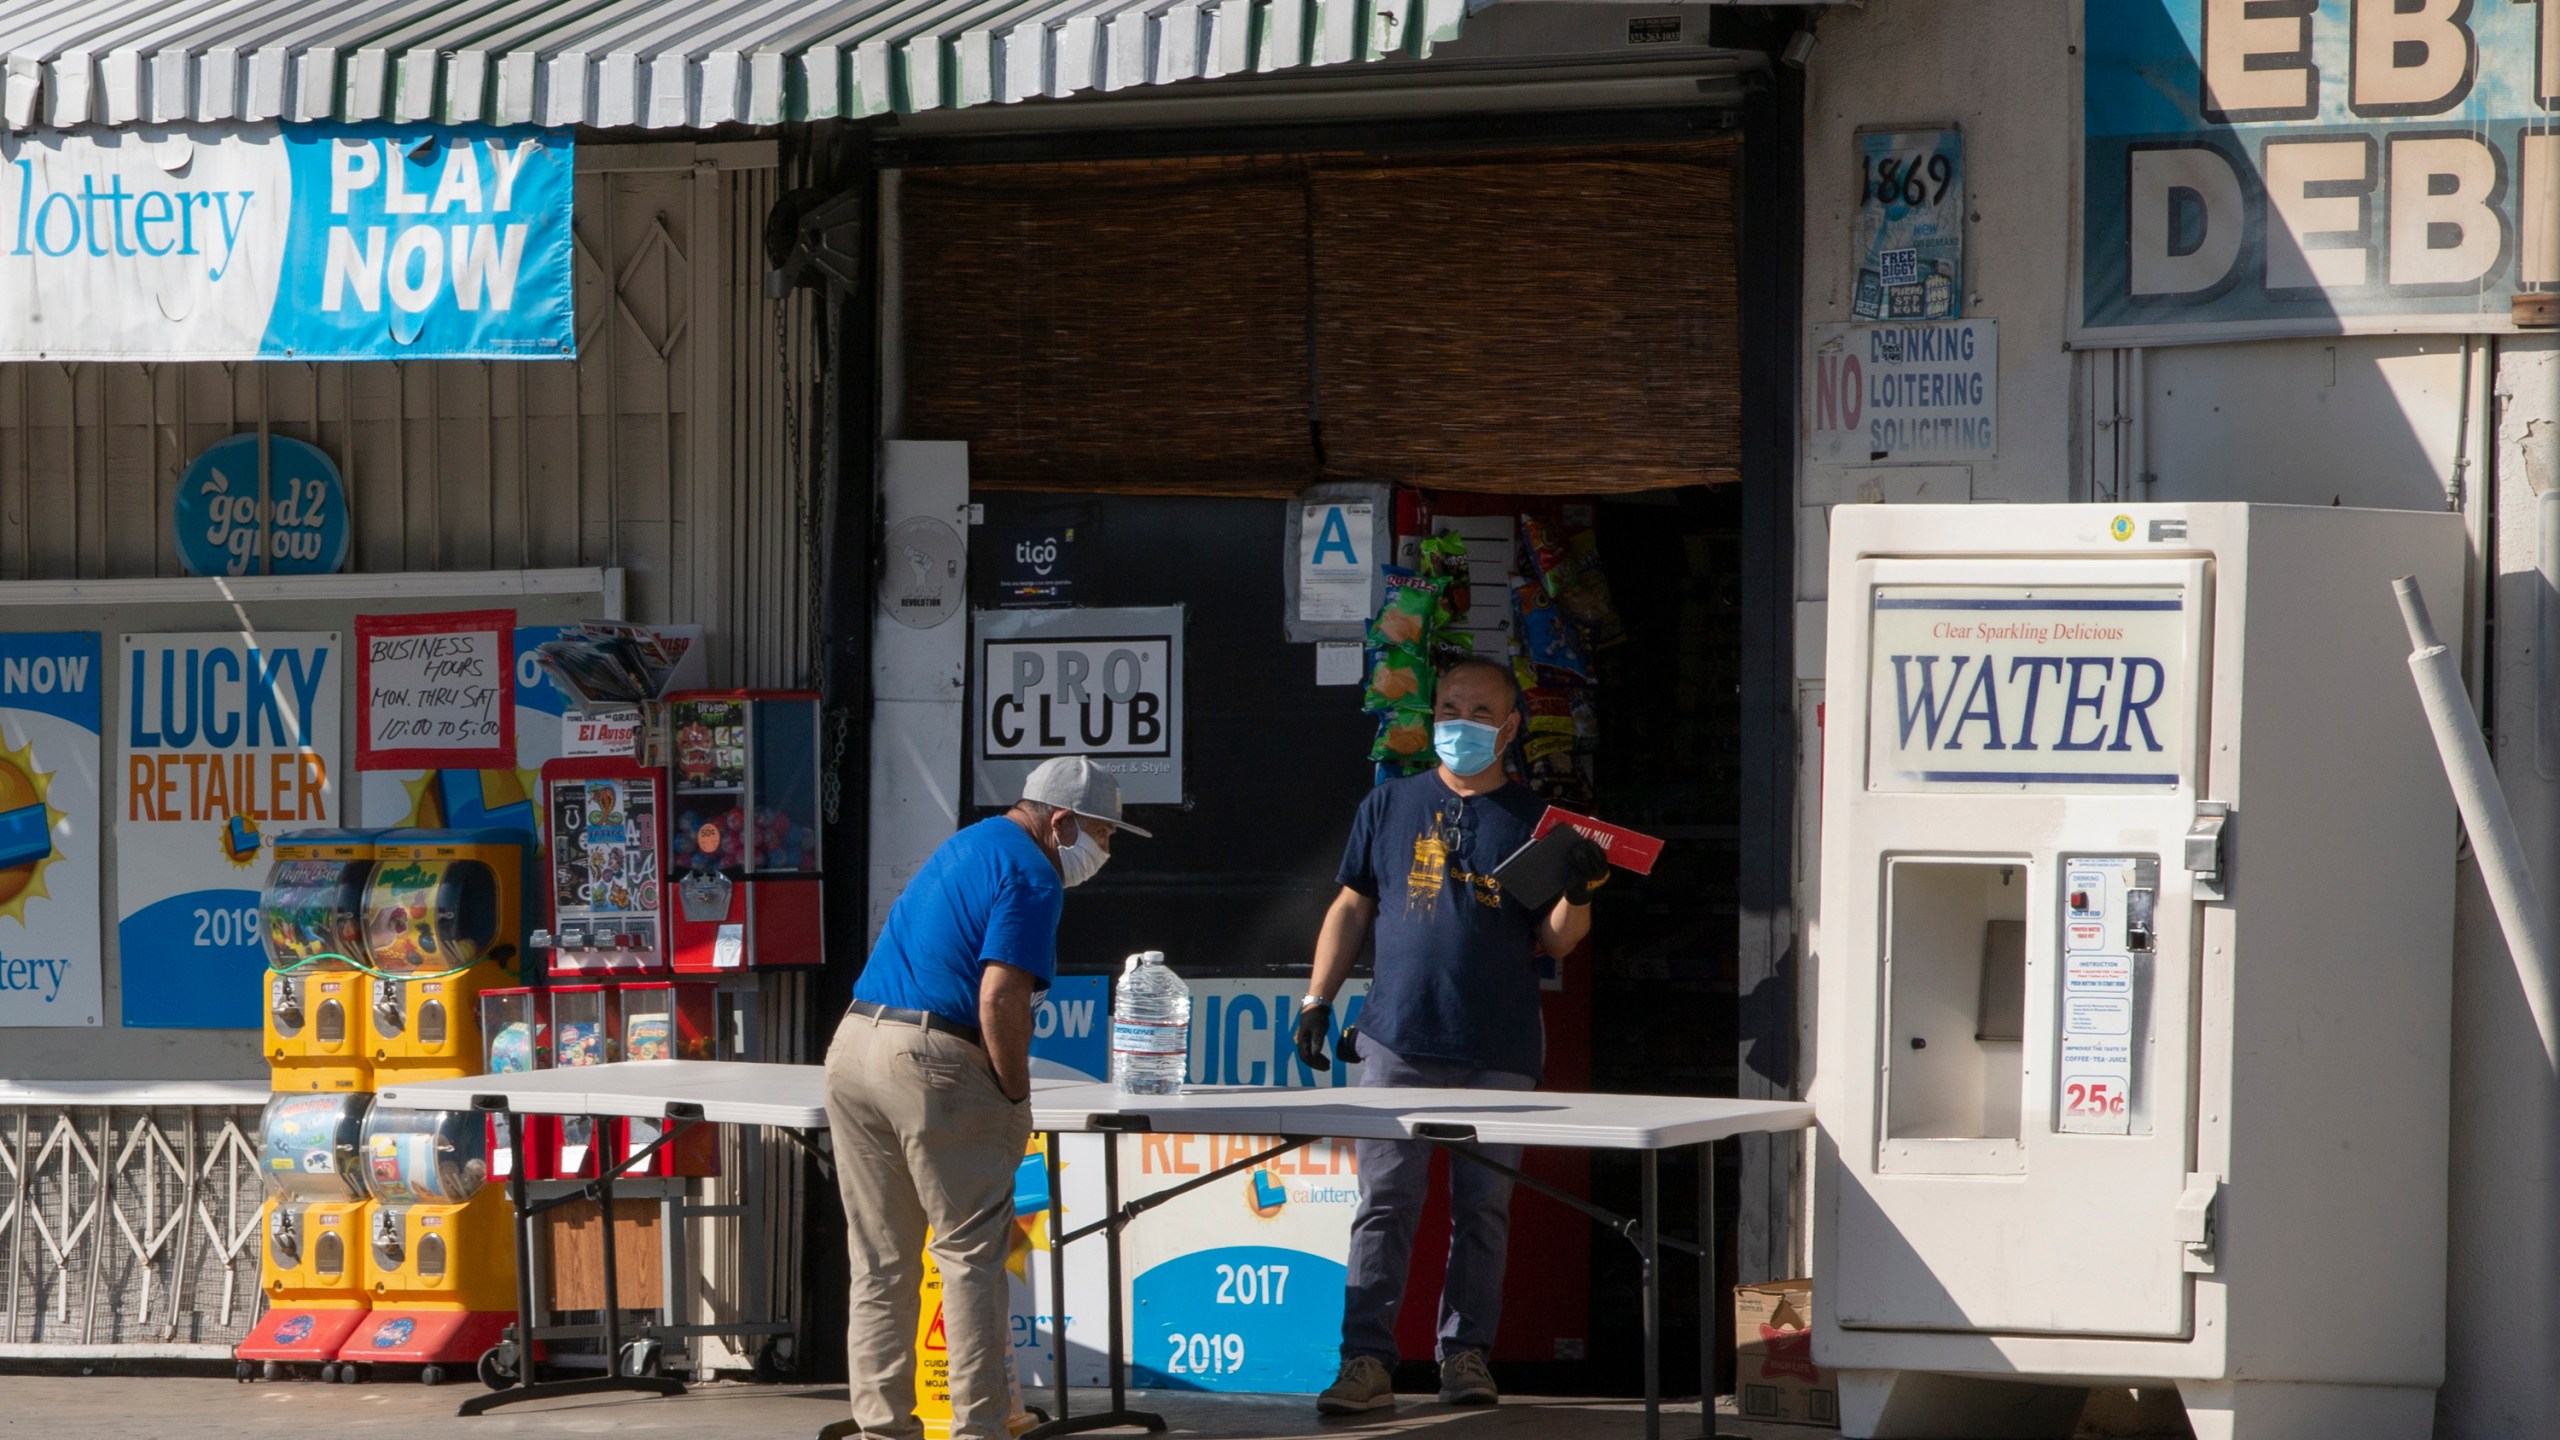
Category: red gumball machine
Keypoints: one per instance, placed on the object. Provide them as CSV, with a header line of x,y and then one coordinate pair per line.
x,y
669,1020
604,824
583,1032
743,860
515,1037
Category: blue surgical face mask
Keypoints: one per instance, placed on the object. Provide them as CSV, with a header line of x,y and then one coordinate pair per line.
x,y
1467,747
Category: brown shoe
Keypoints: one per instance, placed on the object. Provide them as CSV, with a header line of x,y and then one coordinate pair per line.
x,y
1465,1380
1364,1385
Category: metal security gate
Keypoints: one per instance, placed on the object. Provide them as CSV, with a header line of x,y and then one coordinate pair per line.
x,y
128,1219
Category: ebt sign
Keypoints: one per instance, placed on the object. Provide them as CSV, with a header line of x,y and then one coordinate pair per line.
x,y
313,242
218,518
2018,688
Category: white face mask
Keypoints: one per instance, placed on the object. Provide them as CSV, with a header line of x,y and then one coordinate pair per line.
x,y
1080,860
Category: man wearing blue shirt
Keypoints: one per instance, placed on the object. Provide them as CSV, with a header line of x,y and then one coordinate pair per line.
x,y
1453,1002
929,1092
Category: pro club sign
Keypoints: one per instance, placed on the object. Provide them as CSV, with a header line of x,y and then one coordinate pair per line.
x,y
1101,683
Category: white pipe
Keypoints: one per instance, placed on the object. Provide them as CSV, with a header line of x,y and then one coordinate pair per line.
x,y
2485,816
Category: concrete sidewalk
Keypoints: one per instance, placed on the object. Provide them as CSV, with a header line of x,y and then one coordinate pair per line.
x,y
45,1407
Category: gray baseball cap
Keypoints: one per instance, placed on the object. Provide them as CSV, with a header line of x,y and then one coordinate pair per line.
x,y
1074,783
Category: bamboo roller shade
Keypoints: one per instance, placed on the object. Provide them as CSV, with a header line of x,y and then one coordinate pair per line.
x,y
1536,322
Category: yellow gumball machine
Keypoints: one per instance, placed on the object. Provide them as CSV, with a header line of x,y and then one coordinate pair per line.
x,y
312,1230
316,996
441,923
439,1251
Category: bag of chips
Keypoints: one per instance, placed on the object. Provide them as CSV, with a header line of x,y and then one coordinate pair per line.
x,y
1412,610
1404,737
1399,676
1548,637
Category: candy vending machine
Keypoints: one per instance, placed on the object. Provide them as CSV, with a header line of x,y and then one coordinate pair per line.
x,y
744,865
515,1036
602,837
312,1230
441,923
669,1020
313,919
582,1033
439,1254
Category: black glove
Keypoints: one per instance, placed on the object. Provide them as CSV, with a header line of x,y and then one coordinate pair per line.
x,y
1589,865
1314,1021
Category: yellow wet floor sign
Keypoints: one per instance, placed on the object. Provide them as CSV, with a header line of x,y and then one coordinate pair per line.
x,y
933,1365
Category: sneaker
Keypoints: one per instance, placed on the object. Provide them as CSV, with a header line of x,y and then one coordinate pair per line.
x,y
1363,1385
1465,1380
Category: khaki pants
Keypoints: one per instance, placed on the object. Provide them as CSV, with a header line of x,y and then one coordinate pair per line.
x,y
924,1139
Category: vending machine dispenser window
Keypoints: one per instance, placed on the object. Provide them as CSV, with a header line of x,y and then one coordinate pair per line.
x,y
670,1021
515,1036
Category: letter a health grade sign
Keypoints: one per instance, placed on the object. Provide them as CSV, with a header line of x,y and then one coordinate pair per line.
x,y
311,242
2305,168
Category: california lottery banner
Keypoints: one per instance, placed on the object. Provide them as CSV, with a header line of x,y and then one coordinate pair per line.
x,y
49,688
473,799
1238,1285
229,740
310,242
2314,168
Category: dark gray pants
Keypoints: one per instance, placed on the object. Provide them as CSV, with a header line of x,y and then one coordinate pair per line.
x,y
1395,1175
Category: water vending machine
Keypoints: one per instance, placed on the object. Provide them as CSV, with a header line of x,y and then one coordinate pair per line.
x,y
440,923
313,917
743,871
312,1229
439,1251
2135,929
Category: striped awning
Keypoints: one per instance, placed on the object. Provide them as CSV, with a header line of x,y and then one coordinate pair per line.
x,y
666,64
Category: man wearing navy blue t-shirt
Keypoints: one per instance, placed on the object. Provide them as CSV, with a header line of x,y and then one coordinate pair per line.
x,y
1453,1002
929,1092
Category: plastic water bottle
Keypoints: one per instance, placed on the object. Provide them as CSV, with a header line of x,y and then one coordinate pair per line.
x,y
1150,1028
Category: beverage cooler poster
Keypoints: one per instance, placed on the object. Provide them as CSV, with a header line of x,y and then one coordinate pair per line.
x,y
230,740
49,713
471,799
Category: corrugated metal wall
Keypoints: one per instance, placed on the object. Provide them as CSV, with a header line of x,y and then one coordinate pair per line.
x,y
661,449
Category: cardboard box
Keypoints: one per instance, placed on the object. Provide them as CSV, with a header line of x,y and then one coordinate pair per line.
x,y
1773,1372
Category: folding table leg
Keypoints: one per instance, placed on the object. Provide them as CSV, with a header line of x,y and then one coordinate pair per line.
x,y
1119,1416
1057,1279
1707,1307
613,1380
1651,1244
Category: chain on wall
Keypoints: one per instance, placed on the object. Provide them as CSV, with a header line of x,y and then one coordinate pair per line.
x,y
127,1227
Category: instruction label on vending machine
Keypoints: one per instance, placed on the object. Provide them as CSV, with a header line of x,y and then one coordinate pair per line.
x,y
2106,945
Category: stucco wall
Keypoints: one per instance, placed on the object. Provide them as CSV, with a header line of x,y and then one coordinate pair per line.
x,y
2417,422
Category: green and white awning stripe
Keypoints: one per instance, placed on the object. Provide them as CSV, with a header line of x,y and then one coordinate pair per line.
x,y
665,64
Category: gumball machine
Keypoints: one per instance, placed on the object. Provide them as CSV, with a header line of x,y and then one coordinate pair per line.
x,y
313,917
515,1034
743,860
312,1230
669,1020
440,923
439,1251
582,1033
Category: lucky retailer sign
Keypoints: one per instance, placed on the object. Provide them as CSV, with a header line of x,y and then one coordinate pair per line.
x,y
229,741
1103,683
49,713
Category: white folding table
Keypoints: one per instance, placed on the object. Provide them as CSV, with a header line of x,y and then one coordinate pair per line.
x,y
682,1093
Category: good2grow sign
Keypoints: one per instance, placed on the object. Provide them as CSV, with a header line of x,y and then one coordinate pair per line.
x,y
317,242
